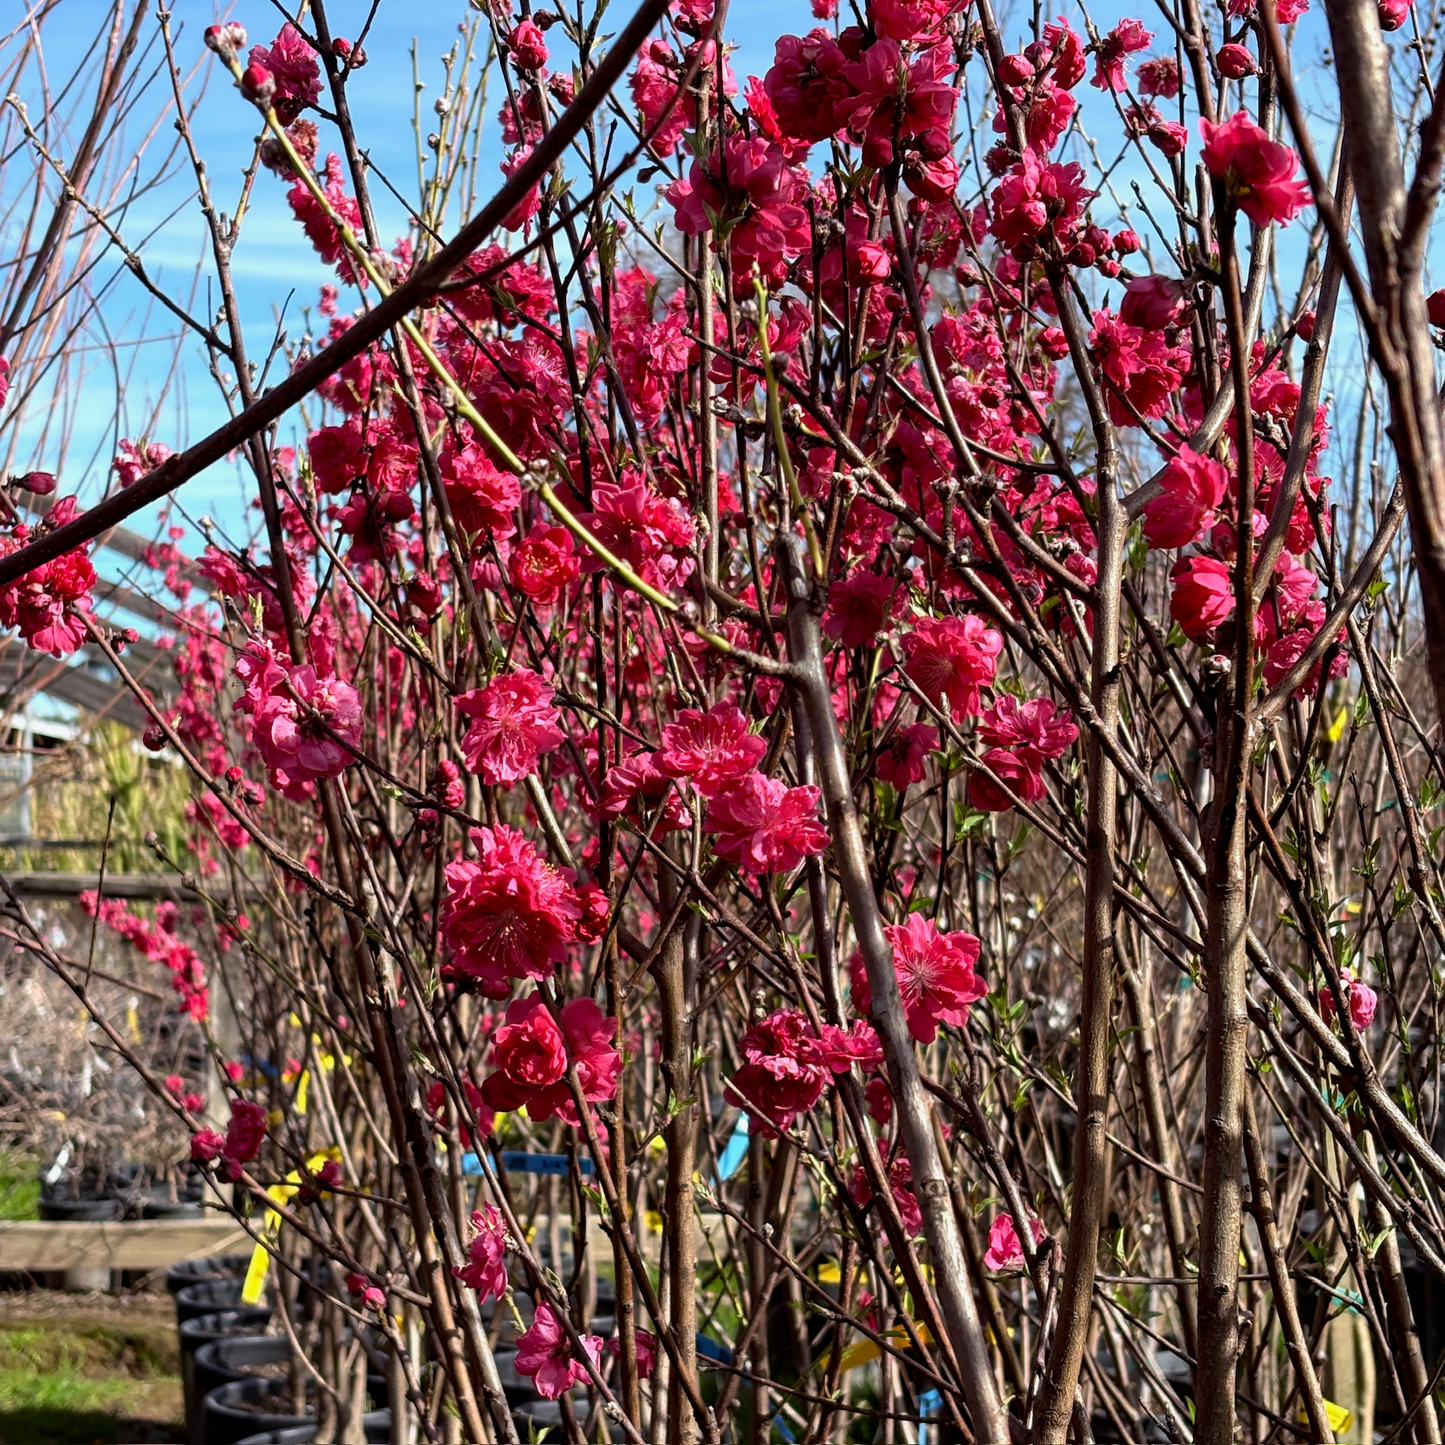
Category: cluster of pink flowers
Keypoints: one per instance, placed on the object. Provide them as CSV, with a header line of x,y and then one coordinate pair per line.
x,y
1005,1249
1359,997
1020,738
952,659
508,913
486,1267
304,725
238,1146
156,939
900,1182
544,1353
533,1051
786,1065
48,605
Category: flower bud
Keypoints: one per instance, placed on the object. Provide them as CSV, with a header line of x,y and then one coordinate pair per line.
x,y
154,738
1234,61
225,39
1015,70
257,83
40,483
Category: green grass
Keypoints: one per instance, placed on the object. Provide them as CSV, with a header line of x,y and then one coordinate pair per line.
x,y
87,1382
19,1186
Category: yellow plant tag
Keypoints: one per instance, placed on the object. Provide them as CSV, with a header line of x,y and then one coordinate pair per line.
x,y
256,1271
862,1352
255,1284
1340,1418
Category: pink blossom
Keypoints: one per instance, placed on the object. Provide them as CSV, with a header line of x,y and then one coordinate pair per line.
x,y
514,721
764,826
544,563
711,750
49,603
483,498
1159,77
912,20
528,46
1140,367
1020,738
133,460
534,1049
635,787
951,659
306,726
545,1353
1203,595
653,534
292,66
1192,487
245,1132
646,1351
320,230
936,977
507,914
1152,302
1005,1250
859,605
804,84
893,100
900,760
486,1267
1125,39
752,186
1234,61
206,1145
1360,996
900,1181
1257,172
1037,198
656,86
786,1066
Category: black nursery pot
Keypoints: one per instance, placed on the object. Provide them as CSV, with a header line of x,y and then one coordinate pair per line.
x,y
158,1204
229,1423
76,1211
240,1408
221,1361
227,1324
213,1266
377,1426
207,1296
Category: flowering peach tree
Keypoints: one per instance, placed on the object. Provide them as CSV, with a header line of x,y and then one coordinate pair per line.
x,y
823,662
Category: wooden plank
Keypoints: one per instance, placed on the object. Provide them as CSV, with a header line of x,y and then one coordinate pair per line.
x,y
42,1244
117,885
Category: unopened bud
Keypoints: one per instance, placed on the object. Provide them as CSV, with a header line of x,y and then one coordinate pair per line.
x,y
258,84
41,483
225,39
154,738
